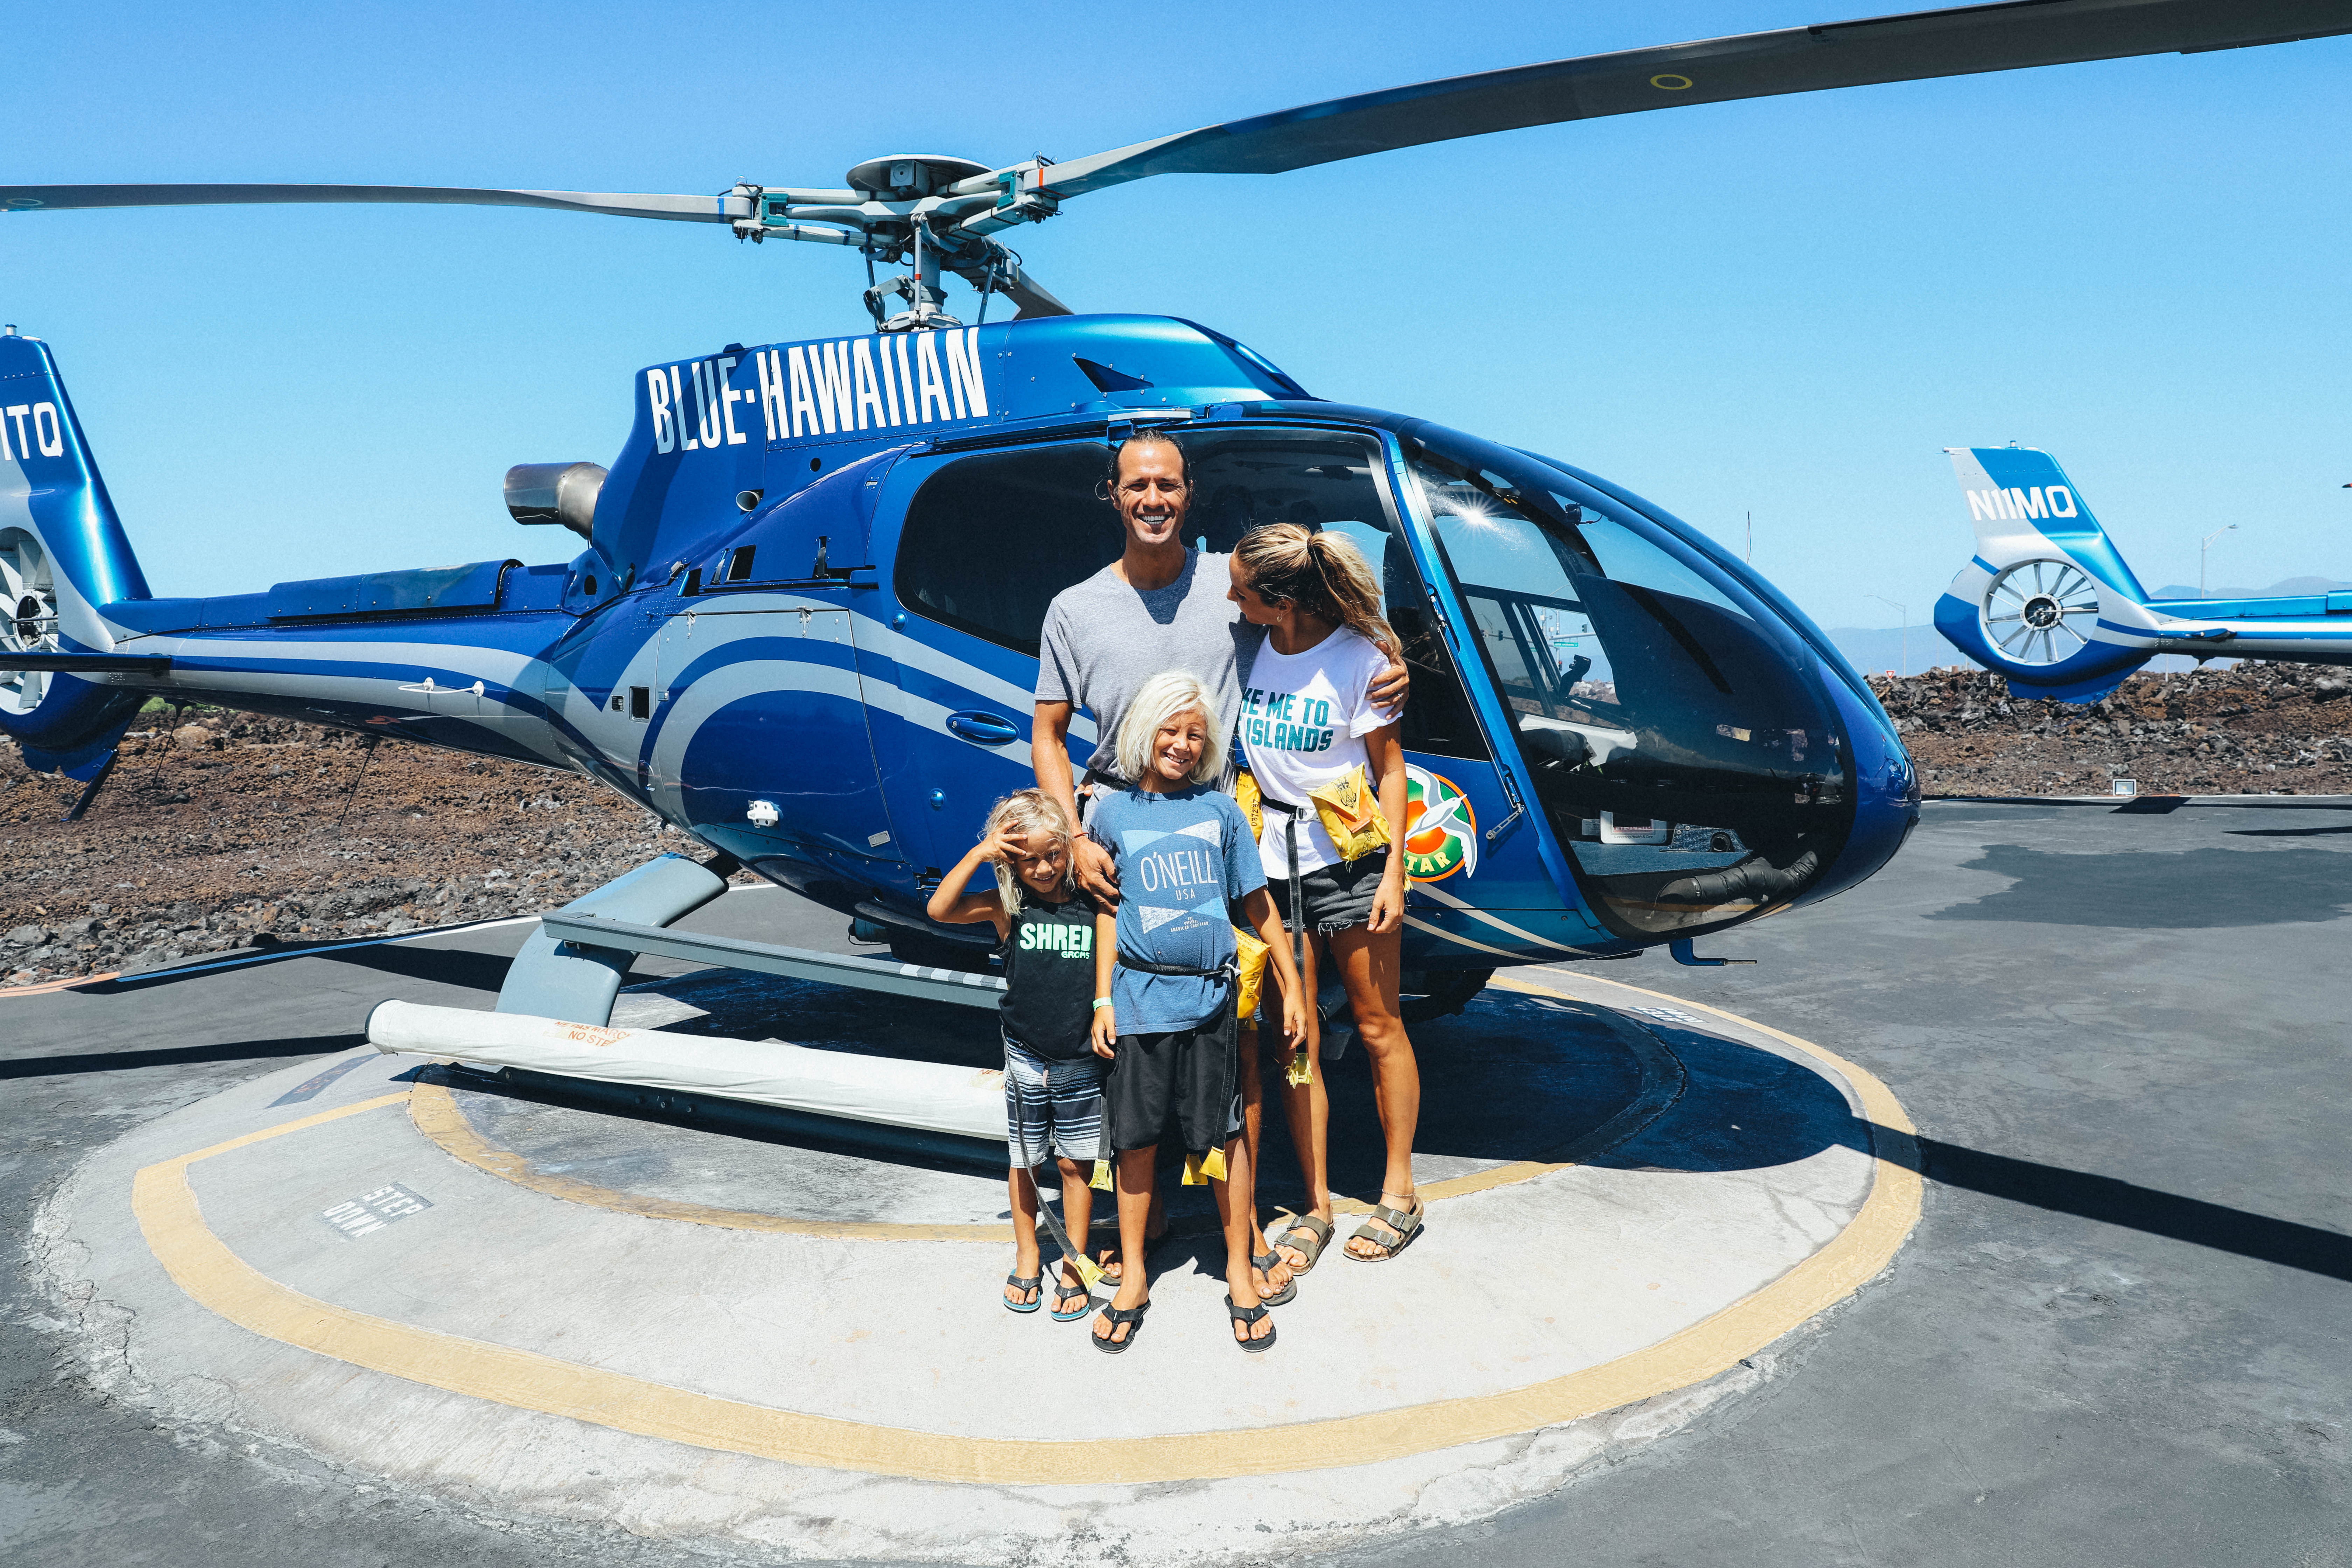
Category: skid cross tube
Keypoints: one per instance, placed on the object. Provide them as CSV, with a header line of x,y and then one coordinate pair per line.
x,y
798,964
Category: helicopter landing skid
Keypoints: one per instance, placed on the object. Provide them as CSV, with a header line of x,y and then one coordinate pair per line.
x,y
556,977
597,932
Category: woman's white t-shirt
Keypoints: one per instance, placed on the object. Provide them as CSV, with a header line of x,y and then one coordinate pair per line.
x,y
1302,722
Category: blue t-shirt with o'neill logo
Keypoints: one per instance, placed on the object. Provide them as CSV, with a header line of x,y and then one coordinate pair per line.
x,y
1183,858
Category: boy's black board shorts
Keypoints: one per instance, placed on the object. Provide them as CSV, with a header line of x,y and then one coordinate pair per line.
x,y
1186,1077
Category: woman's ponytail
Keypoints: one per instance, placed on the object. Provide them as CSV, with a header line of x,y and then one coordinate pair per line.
x,y
1322,572
1347,578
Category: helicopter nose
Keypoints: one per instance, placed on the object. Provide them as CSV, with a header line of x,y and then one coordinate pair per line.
x,y
1701,755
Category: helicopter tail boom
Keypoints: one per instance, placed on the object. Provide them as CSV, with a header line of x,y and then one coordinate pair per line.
x,y
442,654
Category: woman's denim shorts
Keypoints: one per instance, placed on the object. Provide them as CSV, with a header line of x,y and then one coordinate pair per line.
x,y
1334,898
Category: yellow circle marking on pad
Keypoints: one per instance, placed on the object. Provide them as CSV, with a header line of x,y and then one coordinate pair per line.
x,y
214,1277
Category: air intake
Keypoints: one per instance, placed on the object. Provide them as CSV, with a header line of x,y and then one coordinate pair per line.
x,y
556,492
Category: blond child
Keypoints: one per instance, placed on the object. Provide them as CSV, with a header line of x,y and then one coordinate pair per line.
x,y
1164,987
1053,1080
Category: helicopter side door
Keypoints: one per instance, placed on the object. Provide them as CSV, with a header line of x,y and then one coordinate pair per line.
x,y
762,740
979,543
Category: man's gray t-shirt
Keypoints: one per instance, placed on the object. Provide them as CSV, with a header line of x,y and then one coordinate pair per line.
x,y
1104,640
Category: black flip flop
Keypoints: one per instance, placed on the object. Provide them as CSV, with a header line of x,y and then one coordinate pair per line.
x,y
1266,1263
1025,1282
1250,1315
1117,1315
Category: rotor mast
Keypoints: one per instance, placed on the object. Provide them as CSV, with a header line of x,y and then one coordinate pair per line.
x,y
926,213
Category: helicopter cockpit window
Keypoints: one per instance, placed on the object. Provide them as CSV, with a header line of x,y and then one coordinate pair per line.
x,y
990,539
1681,742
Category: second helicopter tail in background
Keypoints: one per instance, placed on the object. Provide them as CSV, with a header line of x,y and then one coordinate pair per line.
x,y
63,554
2046,592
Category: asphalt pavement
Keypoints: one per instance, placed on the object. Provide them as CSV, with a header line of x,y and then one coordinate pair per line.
x,y
2118,1335
2122,1332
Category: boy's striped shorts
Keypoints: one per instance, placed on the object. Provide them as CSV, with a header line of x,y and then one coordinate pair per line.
x,y
1053,1105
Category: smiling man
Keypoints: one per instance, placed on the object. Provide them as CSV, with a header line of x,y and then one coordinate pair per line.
x,y
1160,605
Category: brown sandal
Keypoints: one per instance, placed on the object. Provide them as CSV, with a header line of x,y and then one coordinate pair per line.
x,y
1318,1232
1403,1223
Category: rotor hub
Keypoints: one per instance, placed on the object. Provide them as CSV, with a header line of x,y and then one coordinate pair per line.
x,y
906,176
2043,611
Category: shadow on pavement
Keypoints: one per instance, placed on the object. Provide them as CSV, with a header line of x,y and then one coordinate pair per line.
x,y
2288,832
2207,888
445,965
1741,1110
119,1061
2103,1199
442,966
1747,1108
1510,1078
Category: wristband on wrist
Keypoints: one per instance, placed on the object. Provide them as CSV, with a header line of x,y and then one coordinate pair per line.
x,y
1101,1003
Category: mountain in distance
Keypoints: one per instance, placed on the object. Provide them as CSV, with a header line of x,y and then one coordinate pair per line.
x,y
2281,589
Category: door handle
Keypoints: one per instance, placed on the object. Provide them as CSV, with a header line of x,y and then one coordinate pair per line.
x,y
983,729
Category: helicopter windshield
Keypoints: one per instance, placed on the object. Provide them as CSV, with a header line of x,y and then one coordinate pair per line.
x,y
1680,741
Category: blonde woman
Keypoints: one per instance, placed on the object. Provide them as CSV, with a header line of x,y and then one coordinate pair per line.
x,y
1165,984
1310,721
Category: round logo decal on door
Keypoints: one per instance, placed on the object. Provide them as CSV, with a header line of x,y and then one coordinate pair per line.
x,y
1441,832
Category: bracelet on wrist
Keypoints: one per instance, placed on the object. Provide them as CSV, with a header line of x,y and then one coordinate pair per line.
x,y
1101,1003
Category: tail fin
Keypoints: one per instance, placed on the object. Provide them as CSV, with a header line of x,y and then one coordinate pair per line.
x,y
2022,505
2041,601
62,555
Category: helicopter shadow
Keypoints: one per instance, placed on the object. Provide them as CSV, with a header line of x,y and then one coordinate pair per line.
x,y
2221,887
1746,1108
1511,1077
1742,1109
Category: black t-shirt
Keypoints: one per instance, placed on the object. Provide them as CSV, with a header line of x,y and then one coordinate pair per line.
x,y
1049,977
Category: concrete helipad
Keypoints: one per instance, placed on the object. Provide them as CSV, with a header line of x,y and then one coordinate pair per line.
x,y
535,1308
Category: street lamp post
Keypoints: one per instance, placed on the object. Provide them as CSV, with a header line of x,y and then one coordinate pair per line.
x,y
1905,611
2200,554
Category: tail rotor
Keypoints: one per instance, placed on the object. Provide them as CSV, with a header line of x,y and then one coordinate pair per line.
x,y
2040,613
28,592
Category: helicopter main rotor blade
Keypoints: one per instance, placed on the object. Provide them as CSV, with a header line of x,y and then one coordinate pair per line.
x,y
725,208
1909,48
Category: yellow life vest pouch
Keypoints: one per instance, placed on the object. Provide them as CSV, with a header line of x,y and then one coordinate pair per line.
x,y
1249,797
1250,981
1349,810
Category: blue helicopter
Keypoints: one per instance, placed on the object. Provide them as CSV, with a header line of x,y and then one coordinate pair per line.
x,y
805,626
2050,603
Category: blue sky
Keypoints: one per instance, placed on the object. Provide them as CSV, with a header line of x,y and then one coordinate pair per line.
x,y
1785,306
